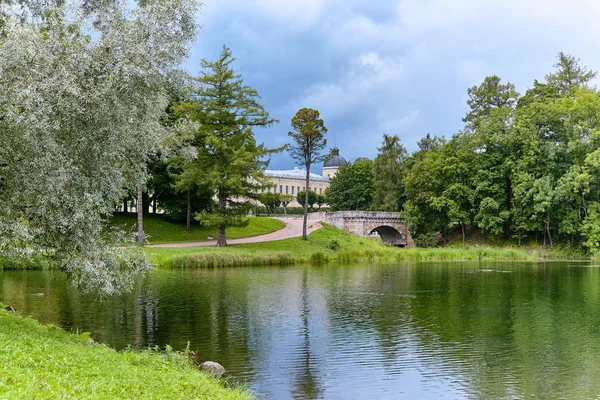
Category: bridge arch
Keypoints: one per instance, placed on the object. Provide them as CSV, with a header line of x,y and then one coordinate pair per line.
x,y
389,235
390,227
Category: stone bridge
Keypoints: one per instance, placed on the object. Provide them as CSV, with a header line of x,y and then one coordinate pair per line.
x,y
386,225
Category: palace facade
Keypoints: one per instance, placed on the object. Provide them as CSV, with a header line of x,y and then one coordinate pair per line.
x,y
294,180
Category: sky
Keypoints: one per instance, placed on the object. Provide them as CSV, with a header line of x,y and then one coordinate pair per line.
x,y
389,66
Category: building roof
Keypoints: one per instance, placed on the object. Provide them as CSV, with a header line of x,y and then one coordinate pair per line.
x,y
295,173
335,161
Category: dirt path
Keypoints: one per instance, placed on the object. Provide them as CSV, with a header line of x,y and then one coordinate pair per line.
x,y
293,228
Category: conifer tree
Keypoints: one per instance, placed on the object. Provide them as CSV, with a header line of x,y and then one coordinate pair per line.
x,y
229,161
389,171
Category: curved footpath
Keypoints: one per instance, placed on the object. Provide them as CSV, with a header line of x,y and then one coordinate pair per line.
x,y
293,228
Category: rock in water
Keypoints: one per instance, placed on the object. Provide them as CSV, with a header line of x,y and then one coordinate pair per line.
x,y
213,368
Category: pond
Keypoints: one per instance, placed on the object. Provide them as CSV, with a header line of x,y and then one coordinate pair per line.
x,y
420,330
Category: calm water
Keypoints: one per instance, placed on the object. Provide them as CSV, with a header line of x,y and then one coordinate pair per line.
x,y
428,330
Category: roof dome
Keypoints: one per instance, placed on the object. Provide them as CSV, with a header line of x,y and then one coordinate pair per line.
x,y
334,161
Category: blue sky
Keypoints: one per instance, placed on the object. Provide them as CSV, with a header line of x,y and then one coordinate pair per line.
x,y
396,66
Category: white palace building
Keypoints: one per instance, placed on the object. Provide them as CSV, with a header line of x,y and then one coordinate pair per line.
x,y
294,180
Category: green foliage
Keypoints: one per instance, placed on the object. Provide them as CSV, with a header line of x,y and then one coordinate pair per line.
x,y
311,200
40,361
308,137
426,240
270,200
334,245
389,170
308,141
352,187
590,228
524,167
83,96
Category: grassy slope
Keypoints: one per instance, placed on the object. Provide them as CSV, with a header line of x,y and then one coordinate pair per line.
x,y
321,248
163,231
41,361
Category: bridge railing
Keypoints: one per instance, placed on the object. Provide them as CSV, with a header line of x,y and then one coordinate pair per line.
x,y
362,214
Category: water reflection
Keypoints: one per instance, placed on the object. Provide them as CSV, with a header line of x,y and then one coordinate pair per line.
x,y
425,330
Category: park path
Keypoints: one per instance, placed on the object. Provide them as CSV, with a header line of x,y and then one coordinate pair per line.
x,y
293,228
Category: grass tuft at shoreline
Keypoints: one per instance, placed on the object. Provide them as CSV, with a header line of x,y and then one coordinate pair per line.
x,y
43,361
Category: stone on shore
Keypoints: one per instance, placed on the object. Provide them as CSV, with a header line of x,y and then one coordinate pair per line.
x,y
213,368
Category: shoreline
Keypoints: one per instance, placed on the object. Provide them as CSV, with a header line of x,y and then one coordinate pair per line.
x,y
40,360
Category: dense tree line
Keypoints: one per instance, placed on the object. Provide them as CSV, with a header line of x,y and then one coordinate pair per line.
x,y
523,167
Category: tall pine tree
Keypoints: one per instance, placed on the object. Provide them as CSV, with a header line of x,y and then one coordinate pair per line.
x,y
229,161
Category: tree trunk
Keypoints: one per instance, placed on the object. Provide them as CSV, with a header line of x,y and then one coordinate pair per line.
x,y
544,233
140,214
462,227
222,240
188,219
304,236
154,205
285,211
548,229
125,206
145,203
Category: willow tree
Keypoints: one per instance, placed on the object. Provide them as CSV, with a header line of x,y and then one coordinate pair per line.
x,y
230,161
308,135
84,87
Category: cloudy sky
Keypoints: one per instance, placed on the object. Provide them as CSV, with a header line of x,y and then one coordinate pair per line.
x,y
396,66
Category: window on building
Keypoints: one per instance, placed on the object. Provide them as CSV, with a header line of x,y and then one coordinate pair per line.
x,y
280,188
286,189
293,187
320,190
298,188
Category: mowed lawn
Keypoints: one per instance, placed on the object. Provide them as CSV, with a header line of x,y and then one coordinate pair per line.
x,y
160,230
44,362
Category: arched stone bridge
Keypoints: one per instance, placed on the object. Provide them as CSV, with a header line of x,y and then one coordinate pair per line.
x,y
387,225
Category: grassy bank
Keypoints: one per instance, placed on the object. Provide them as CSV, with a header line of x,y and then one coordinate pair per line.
x,y
160,230
40,361
328,244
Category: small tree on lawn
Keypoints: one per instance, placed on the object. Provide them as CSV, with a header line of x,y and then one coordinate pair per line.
x,y
311,198
286,199
320,200
271,201
308,140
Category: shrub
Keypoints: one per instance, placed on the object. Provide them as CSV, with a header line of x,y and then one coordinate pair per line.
x,y
426,240
334,245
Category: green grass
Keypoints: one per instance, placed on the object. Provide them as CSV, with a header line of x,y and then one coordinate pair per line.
x,y
160,230
328,244
43,362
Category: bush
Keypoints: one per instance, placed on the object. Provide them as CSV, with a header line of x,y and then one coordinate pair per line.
x,y
318,258
334,245
426,240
